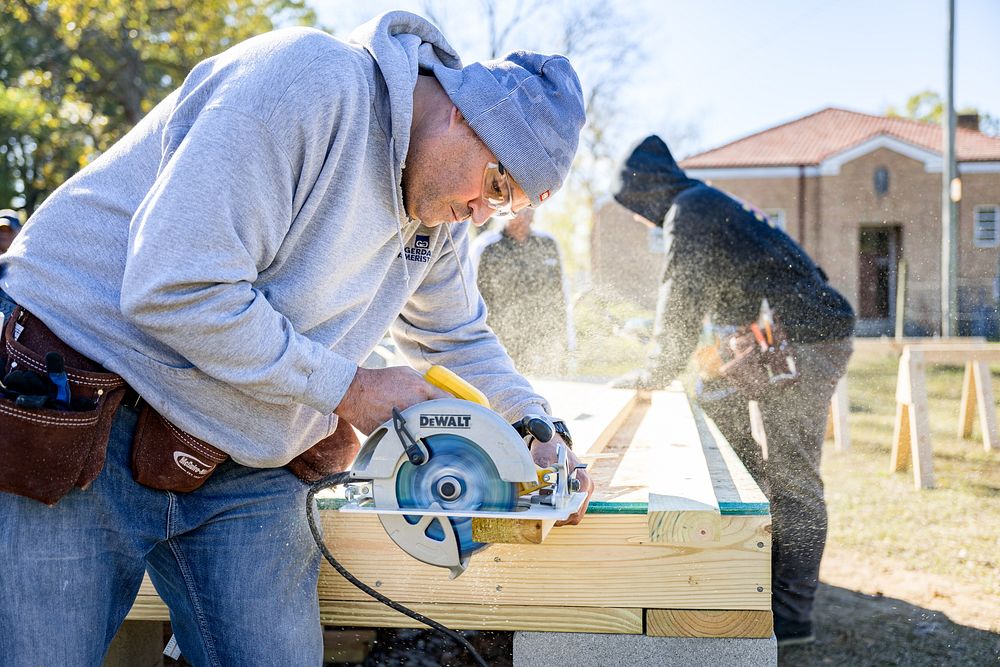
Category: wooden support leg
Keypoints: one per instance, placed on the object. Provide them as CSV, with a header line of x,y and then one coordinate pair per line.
x,y
901,439
987,408
901,432
757,427
911,442
920,427
967,409
839,407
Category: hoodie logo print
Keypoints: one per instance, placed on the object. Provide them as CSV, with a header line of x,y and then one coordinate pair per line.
x,y
420,251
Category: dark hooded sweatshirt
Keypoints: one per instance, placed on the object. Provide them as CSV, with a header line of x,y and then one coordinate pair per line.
x,y
722,260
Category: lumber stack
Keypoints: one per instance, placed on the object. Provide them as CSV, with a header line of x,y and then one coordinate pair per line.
x,y
677,540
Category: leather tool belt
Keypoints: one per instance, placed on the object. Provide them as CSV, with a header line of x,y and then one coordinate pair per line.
x,y
757,362
47,450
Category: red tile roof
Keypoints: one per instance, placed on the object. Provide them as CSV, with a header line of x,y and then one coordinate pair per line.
x,y
811,139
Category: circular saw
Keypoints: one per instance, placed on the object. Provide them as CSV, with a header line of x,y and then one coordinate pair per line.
x,y
438,465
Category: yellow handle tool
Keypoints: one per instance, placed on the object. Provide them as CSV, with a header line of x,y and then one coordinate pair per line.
x,y
444,379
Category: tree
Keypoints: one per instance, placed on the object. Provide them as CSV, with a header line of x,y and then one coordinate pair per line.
x,y
928,106
76,75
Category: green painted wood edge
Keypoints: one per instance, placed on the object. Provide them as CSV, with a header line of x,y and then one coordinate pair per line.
x,y
728,509
606,507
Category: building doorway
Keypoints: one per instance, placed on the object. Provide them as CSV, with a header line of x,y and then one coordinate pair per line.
x,y
878,258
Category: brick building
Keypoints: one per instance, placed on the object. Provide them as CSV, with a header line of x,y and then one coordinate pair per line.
x,y
861,193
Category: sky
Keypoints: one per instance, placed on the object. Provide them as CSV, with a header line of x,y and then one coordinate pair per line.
x,y
712,71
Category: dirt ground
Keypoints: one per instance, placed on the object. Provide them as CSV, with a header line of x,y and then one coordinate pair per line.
x,y
872,613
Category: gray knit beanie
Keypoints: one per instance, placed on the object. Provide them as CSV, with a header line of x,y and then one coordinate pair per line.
x,y
528,109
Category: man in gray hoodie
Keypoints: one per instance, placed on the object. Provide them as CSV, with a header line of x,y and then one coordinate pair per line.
x,y
234,258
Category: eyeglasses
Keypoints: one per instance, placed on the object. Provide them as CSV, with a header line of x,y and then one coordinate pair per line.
x,y
497,190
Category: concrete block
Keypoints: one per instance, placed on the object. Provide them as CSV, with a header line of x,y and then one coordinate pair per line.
x,y
600,650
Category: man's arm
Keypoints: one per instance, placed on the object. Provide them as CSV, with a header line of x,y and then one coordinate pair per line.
x,y
212,222
444,323
680,325
679,309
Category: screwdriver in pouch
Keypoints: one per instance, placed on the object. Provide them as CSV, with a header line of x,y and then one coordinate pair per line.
x,y
56,369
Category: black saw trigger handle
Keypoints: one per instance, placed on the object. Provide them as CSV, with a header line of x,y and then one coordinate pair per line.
x,y
534,426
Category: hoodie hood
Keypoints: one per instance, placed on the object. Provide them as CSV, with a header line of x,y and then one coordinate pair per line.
x,y
650,180
402,44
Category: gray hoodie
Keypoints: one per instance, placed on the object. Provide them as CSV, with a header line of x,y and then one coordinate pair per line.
x,y
239,252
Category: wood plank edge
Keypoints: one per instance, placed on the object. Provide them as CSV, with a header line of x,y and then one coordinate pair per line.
x,y
711,623
603,620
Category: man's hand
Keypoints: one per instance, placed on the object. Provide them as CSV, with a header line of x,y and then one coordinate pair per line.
x,y
544,454
374,392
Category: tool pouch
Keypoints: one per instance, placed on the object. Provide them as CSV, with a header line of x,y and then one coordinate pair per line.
x,y
755,369
46,452
332,454
169,459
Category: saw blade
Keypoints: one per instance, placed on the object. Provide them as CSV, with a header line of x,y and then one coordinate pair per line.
x,y
459,475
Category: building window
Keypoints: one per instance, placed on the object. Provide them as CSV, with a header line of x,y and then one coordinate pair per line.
x,y
881,181
985,232
775,217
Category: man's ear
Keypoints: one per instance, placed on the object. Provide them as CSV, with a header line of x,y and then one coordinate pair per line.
x,y
455,117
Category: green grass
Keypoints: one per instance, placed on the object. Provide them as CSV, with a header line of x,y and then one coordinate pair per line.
x,y
953,529
601,354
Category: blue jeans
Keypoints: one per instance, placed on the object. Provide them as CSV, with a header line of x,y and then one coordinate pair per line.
x,y
234,561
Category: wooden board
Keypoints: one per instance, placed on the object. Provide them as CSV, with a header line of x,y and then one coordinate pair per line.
x,y
593,413
666,462
350,646
607,561
369,613
476,617
911,443
957,354
596,577
507,531
708,623
840,407
735,488
884,345
977,395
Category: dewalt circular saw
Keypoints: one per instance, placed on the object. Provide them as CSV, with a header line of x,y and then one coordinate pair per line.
x,y
436,466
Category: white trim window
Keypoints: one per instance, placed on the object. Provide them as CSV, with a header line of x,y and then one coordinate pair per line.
x,y
775,217
986,227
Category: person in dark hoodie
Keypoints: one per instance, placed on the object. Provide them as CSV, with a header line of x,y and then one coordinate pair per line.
x,y
724,262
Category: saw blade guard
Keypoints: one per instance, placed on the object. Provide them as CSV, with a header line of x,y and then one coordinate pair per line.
x,y
477,461
379,457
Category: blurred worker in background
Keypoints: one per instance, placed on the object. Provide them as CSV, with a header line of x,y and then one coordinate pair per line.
x,y
519,274
780,335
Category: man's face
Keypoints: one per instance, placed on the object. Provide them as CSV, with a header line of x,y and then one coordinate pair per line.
x,y
519,228
443,178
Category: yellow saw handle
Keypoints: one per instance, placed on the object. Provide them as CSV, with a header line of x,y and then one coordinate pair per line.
x,y
446,380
